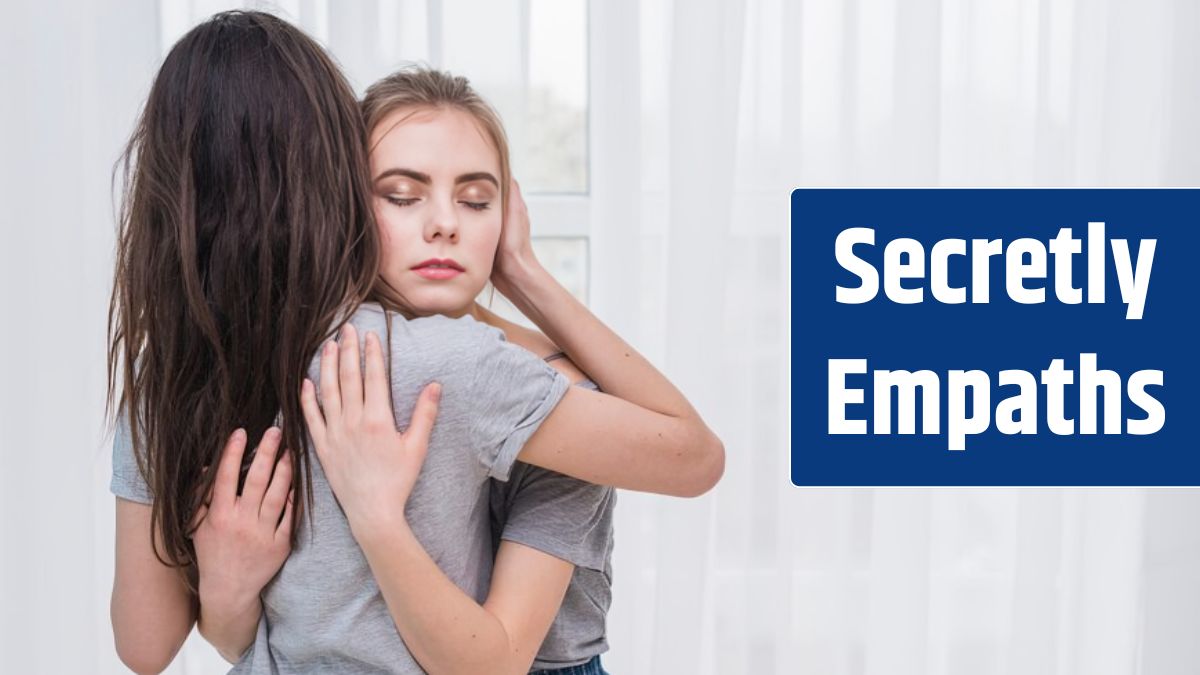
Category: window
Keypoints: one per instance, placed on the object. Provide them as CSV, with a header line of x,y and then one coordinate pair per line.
x,y
529,58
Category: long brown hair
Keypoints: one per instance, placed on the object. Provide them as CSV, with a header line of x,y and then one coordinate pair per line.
x,y
246,234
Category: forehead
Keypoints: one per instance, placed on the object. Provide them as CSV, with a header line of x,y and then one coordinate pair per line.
x,y
432,140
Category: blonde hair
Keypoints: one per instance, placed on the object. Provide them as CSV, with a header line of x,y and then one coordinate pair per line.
x,y
424,87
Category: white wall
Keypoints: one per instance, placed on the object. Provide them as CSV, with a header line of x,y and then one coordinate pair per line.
x,y
72,78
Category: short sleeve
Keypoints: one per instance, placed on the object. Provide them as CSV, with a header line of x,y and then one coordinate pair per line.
x,y
563,516
513,392
127,481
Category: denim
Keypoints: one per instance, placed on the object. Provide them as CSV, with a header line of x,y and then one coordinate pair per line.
x,y
592,667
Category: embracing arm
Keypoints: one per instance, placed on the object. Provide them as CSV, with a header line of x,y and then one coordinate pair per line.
x,y
230,628
241,541
606,440
152,609
371,469
661,445
446,629
641,433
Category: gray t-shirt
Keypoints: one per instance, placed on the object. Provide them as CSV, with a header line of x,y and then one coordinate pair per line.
x,y
323,611
543,509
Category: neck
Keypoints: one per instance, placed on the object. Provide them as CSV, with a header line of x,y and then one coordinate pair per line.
x,y
515,333
484,315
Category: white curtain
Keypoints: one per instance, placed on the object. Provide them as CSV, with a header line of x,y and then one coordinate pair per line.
x,y
704,115
708,114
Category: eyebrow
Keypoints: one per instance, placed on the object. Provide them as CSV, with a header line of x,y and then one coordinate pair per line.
x,y
415,175
424,178
478,175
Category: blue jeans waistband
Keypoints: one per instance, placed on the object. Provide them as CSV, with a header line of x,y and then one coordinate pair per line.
x,y
592,667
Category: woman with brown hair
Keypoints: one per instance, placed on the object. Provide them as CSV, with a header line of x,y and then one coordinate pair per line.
x,y
246,240
246,234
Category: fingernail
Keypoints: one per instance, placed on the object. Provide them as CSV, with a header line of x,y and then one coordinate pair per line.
x,y
435,392
240,434
274,433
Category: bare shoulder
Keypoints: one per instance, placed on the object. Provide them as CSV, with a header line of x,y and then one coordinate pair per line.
x,y
541,346
567,367
544,347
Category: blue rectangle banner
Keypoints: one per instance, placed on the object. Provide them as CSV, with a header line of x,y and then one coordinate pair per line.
x,y
1017,337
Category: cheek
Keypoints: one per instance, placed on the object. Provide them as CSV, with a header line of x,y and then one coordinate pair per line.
x,y
486,243
393,238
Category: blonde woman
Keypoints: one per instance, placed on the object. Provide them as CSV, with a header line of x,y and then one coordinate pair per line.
x,y
439,162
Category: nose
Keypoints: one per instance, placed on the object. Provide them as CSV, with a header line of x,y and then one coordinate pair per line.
x,y
443,222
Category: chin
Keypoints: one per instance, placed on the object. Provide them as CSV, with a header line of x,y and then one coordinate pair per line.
x,y
451,302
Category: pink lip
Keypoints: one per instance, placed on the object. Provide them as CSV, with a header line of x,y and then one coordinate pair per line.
x,y
438,269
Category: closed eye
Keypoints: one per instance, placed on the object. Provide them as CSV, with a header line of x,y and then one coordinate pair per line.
x,y
476,206
401,201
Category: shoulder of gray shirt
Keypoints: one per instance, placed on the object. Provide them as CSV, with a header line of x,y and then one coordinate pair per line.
x,y
499,391
504,383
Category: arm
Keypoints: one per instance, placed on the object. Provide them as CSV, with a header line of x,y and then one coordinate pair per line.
x,y
372,468
640,433
605,440
447,630
230,625
241,542
638,456
152,609
668,448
